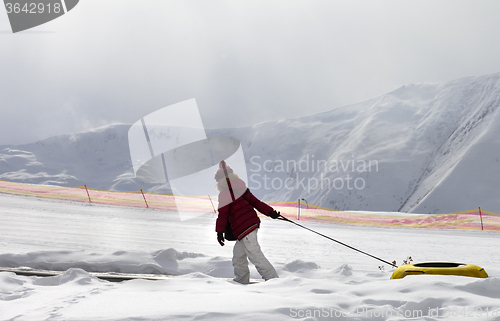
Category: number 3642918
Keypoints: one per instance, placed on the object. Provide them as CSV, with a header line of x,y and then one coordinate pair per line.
x,y
33,7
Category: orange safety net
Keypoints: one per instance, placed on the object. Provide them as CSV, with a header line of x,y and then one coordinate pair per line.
x,y
476,219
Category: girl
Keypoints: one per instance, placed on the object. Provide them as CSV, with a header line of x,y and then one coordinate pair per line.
x,y
236,208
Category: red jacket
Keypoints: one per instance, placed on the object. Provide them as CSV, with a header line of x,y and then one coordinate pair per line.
x,y
241,213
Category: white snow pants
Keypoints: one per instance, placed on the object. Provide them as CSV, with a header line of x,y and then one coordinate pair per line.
x,y
249,247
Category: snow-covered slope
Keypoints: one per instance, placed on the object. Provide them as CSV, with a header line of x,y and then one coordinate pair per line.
x,y
315,273
420,148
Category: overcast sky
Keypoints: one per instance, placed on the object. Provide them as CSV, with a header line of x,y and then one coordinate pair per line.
x,y
245,62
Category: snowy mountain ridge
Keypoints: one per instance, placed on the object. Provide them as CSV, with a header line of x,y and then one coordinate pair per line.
x,y
424,148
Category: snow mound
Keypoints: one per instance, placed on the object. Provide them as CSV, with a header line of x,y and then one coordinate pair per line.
x,y
12,287
487,287
300,266
171,255
168,261
345,270
72,275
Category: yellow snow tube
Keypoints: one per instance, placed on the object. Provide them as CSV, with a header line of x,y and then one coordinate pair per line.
x,y
441,268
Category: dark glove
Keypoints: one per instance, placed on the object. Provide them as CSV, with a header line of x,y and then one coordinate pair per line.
x,y
220,238
274,214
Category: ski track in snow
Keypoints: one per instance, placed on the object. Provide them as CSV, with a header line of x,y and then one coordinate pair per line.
x,y
319,279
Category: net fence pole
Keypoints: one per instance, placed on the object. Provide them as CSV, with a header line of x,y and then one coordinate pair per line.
x,y
298,209
212,204
481,216
147,206
88,193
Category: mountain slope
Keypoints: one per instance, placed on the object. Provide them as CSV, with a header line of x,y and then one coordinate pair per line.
x,y
471,148
96,157
420,148
417,134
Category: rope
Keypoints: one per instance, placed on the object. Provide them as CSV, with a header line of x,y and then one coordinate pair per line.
x,y
353,248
